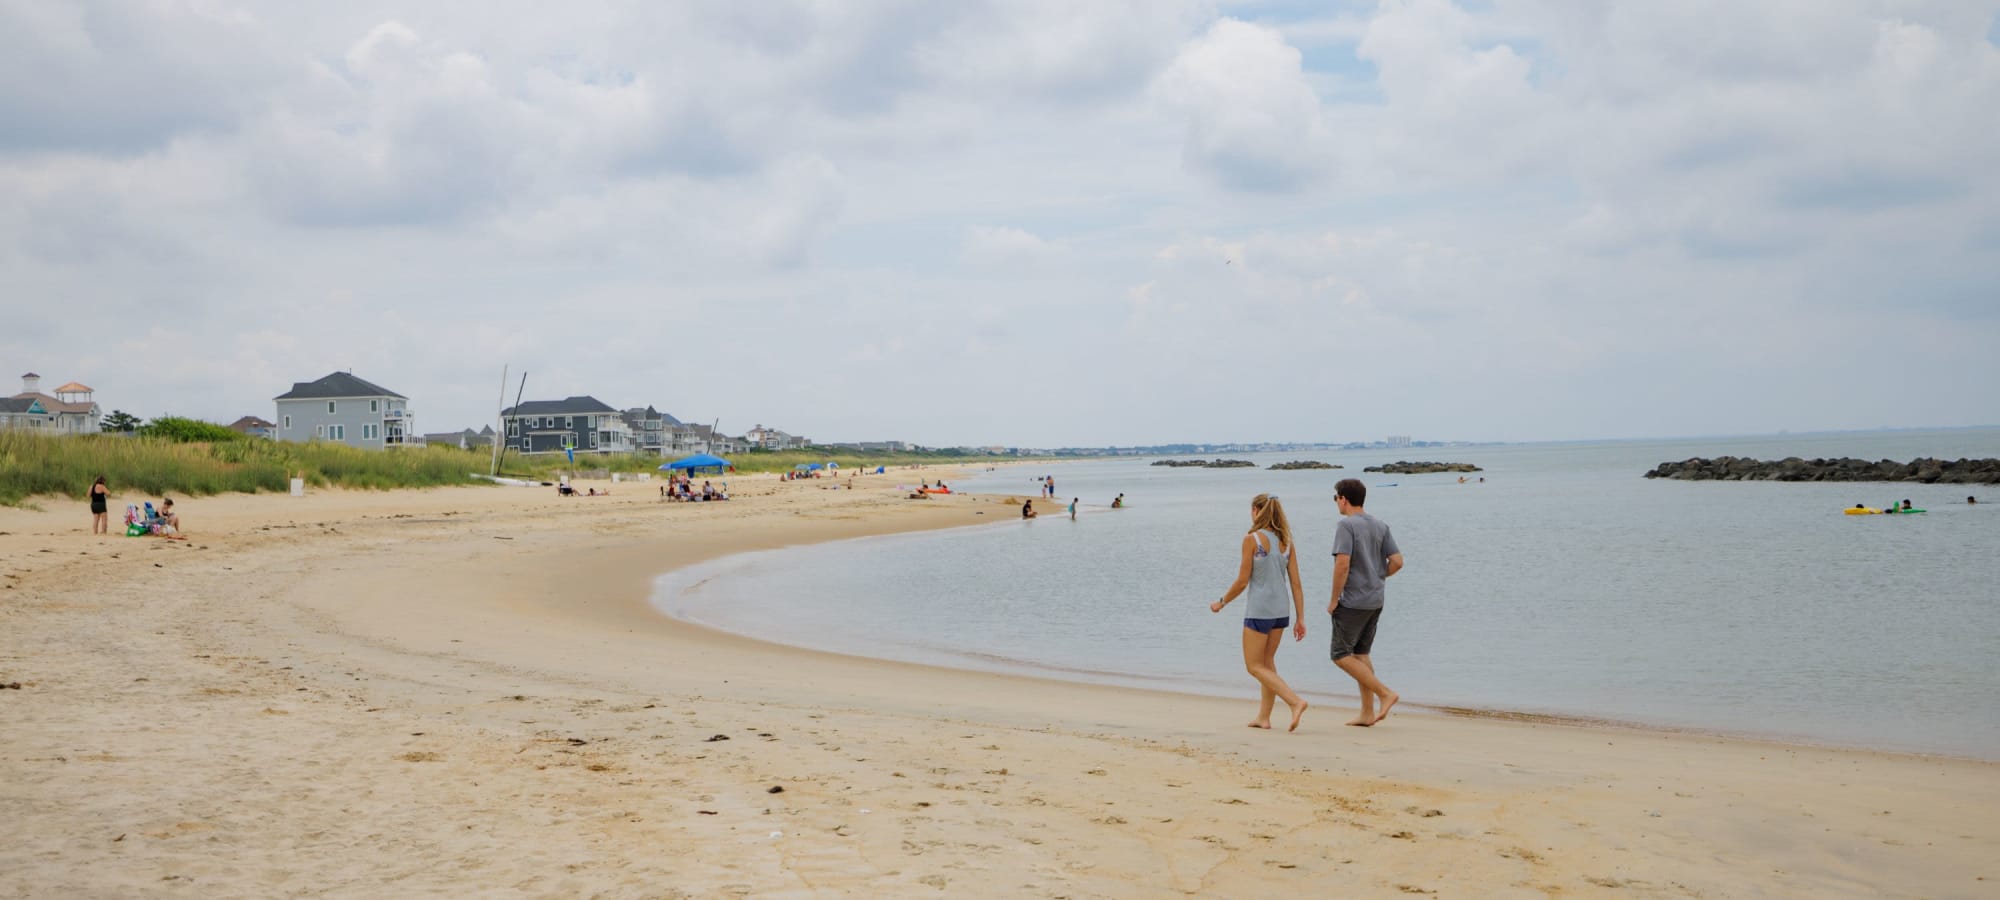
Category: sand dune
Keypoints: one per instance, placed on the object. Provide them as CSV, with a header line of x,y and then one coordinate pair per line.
x,y
463,692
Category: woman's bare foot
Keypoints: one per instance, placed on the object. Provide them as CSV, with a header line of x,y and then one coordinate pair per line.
x,y
1362,721
1263,724
1388,702
1298,712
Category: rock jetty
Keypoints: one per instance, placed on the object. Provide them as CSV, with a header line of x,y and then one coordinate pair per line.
x,y
1924,471
1302,464
1206,463
1422,468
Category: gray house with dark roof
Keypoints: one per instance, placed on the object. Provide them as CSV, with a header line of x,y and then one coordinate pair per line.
x,y
584,423
346,410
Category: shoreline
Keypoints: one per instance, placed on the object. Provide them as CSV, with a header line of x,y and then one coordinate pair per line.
x,y
463,689
1022,668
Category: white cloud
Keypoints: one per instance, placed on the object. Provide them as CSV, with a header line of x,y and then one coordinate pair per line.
x,y
1049,223
1253,121
1006,246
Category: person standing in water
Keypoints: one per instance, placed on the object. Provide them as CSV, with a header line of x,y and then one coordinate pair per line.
x,y
1269,572
1364,556
1072,509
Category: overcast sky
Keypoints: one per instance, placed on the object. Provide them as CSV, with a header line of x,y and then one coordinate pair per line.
x,y
1029,223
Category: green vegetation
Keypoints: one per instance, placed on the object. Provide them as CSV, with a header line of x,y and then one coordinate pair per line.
x,y
186,431
120,420
65,465
187,457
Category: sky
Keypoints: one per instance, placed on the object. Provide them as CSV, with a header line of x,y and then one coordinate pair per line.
x,y
1024,223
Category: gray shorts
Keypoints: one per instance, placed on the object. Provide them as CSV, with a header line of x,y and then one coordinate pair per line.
x,y
1353,631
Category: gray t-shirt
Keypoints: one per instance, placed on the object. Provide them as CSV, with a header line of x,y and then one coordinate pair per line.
x,y
1368,545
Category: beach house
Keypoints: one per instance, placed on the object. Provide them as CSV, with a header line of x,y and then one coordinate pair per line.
x,y
254,426
25,413
652,430
584,424
463,440
346,410
70,411
773,439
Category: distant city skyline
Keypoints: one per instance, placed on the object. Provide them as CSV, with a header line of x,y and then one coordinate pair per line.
x,y
1029,224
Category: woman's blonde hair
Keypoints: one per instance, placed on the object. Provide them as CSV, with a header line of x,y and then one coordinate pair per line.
x,y
1267,514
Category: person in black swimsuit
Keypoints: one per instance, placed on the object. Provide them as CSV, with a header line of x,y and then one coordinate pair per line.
x,y
100,513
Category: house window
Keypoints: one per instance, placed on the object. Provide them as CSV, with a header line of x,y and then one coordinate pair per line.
x,y
514,429
593,439
370,432
319,431
329,407
374,406
288,423
336,432
569,423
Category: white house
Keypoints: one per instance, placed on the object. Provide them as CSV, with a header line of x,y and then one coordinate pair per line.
x,y
70,411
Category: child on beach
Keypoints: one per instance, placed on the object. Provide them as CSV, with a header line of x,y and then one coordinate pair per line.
x,y
1269,571
1364,555
1072,508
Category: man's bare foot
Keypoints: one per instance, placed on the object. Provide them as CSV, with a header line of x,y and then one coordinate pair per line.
x,y
1388,703
1298,712
1363,721
1264,724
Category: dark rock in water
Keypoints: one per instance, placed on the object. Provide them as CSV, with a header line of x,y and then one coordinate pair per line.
x,y
1206,463
1922,471
1422,468
1302,464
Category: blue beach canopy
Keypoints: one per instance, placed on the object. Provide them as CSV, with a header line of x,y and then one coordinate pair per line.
x,y
814,466
697,462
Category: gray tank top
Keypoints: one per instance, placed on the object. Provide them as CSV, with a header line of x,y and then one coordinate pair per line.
x,y
1270,593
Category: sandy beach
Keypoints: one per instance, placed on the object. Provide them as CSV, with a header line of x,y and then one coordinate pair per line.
x,y
464,692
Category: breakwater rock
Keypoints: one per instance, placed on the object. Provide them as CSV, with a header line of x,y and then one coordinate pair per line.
x,y
1422,468
1302,464
1924,471
1206,463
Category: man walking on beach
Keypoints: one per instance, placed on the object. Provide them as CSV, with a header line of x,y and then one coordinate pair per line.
x,y
1364,556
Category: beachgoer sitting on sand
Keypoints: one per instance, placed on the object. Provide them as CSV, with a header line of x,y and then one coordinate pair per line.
x,y
1028,509
166,523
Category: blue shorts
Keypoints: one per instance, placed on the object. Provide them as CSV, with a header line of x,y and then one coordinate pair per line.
x,y
1266,626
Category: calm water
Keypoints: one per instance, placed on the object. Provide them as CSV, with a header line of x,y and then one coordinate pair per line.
x,y
1566,584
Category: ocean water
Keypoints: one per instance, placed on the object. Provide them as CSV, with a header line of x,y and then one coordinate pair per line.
x,y
1565,584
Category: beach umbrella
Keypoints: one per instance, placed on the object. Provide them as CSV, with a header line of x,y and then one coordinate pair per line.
x,y
833,465
814,466
801,467
698,462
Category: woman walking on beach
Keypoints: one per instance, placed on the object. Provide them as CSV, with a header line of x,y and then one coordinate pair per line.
x,y
1268,573
100,512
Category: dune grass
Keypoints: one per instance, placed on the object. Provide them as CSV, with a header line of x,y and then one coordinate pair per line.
x,y
65,465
